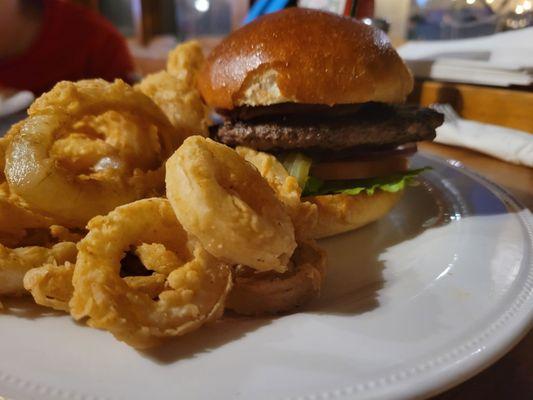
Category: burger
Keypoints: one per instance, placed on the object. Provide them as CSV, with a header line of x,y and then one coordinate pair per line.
x,y
324,94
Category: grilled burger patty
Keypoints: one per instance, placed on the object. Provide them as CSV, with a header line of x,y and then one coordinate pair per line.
x,y
369,125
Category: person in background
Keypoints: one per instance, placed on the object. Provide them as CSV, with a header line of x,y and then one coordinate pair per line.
x,y
46,41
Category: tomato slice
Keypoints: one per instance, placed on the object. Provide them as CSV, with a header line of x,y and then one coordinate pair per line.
x,y
335,170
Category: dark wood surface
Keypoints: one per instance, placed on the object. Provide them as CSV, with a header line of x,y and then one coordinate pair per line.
x,y
510,378
511,107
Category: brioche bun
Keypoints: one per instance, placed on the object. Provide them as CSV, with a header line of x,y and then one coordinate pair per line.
x,y
338,213
304,56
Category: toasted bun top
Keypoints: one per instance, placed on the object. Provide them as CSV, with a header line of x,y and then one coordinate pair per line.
x,y
304,56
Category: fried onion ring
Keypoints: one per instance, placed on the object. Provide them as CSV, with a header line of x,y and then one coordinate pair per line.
x,y
14,263
15,215
185,61
41,175
16,218
272,293
193,292
224,202
175,91
304,214
51,285
4,143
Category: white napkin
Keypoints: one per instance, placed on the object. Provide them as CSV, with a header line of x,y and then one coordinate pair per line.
x,y
502,59
15,102
507,144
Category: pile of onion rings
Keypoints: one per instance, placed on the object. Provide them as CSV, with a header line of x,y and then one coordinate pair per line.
x,y
73,170
85,148
27,239
85,227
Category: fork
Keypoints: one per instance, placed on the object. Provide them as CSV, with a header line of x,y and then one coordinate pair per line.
x,y
450,115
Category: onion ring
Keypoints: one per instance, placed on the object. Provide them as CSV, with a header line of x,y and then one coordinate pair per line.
x,y
185,61
194,292
14,263
304,214
62,234
272,293
122,137
175,91
16,218
15,215
46,183
224,202
4,143
51,285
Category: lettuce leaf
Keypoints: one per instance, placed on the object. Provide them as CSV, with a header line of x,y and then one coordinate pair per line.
x,y
391,183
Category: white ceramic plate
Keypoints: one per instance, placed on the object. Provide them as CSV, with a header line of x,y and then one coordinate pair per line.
x,y
414,304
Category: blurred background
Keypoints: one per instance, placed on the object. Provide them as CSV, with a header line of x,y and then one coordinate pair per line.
x,y
475,55
153,27
406,19
423,19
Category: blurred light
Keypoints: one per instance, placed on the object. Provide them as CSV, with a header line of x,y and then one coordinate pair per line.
x,y
527,5
519,9
470,1
490,1
201,5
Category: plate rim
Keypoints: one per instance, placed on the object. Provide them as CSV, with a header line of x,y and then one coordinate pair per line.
x,y
411,384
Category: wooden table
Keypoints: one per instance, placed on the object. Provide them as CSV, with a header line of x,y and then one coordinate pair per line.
x,y
510,378
511,107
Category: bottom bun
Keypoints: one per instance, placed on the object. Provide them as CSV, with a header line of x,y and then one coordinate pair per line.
x,y
338,213
256,293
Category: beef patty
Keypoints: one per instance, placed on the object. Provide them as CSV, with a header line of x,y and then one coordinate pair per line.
x,y
370,125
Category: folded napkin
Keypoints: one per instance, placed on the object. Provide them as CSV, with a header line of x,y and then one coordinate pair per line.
x,y
502,59
10,104
507,144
